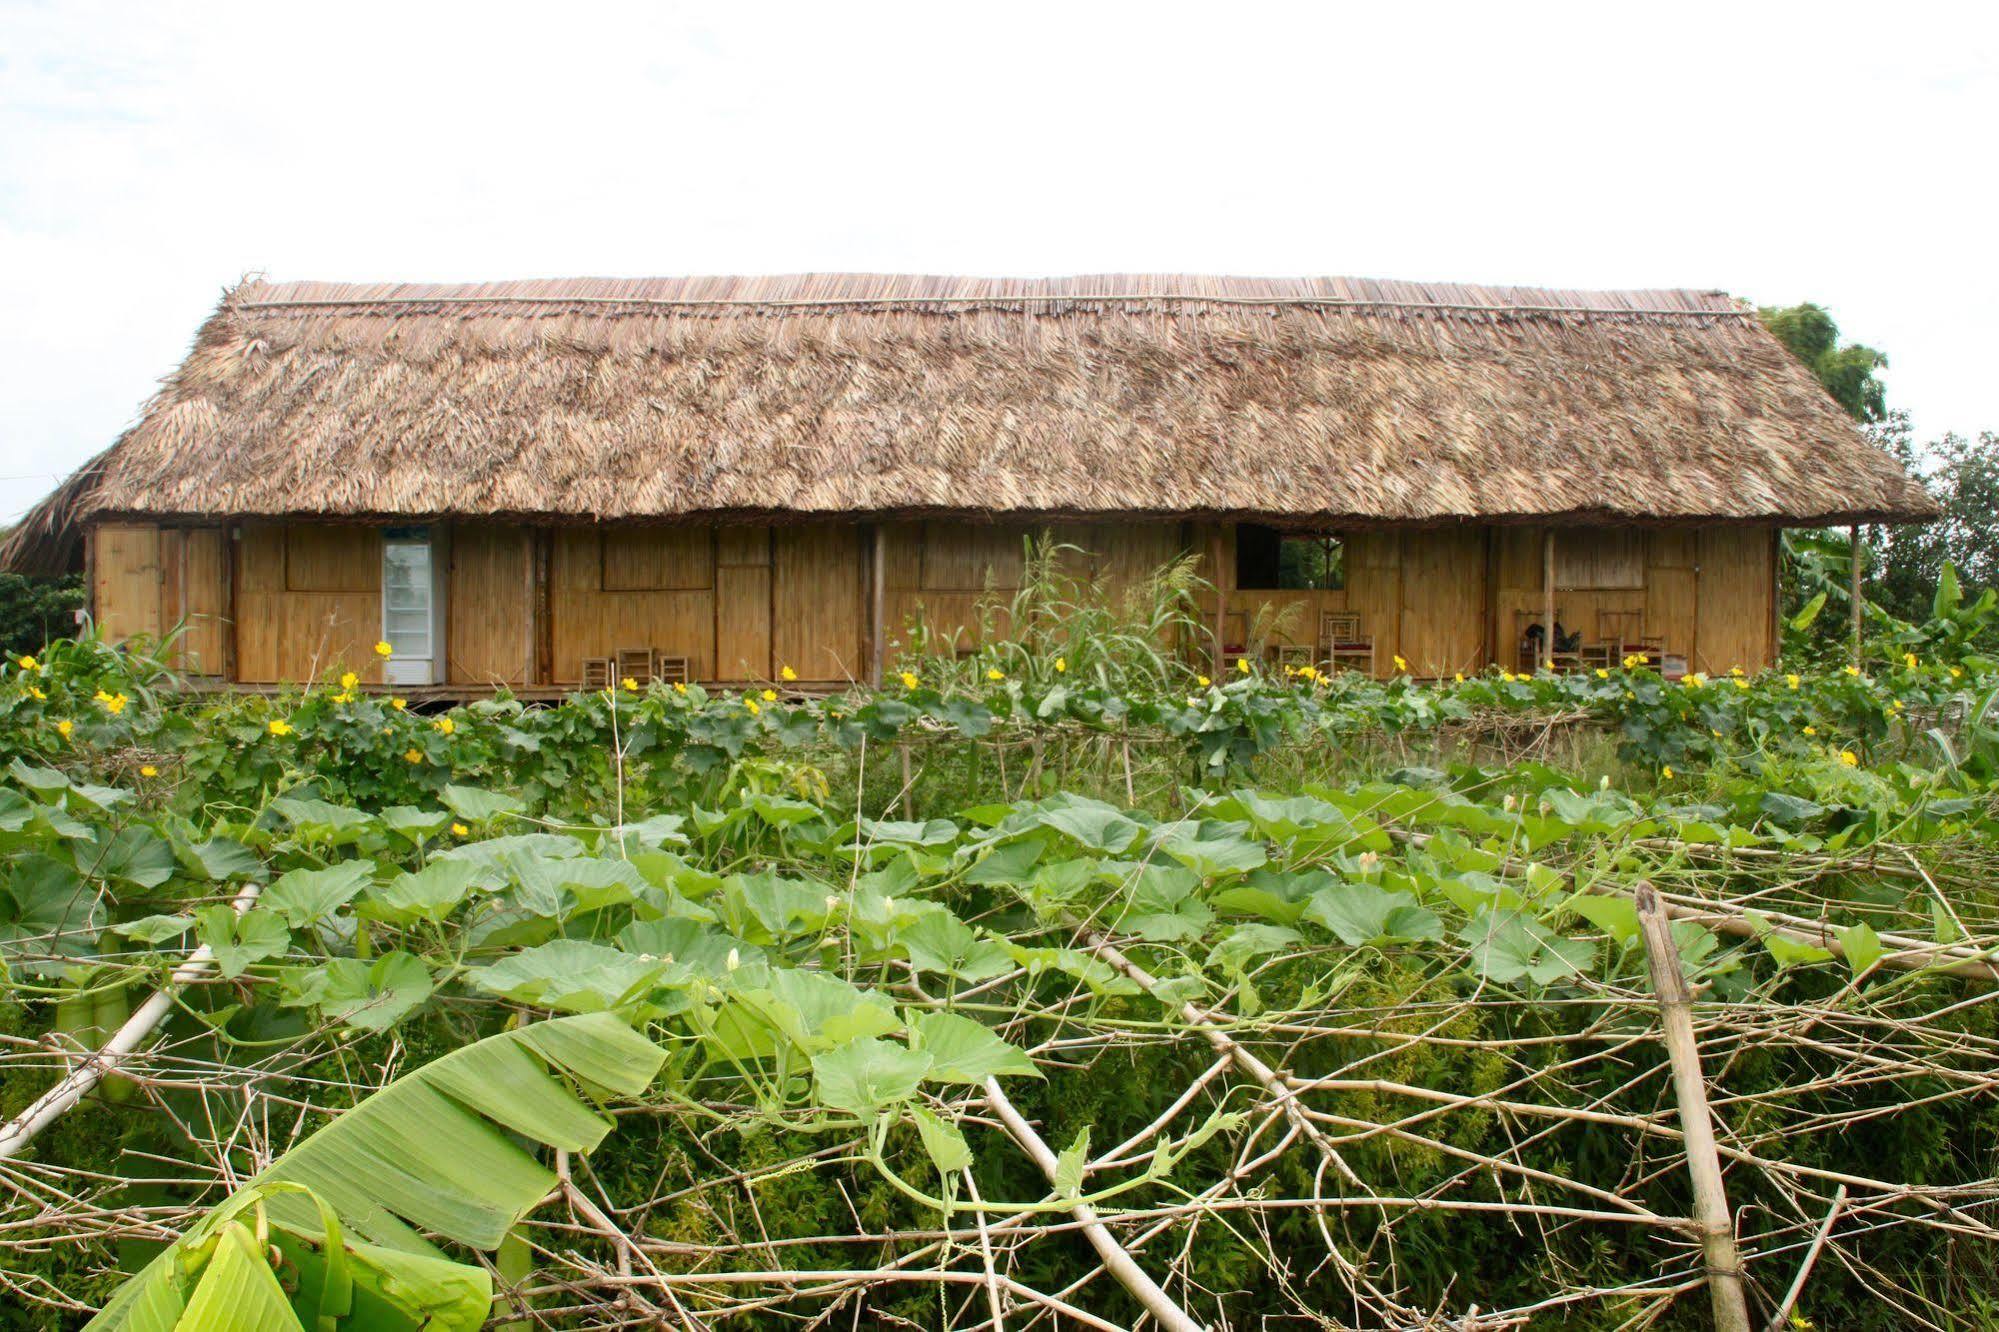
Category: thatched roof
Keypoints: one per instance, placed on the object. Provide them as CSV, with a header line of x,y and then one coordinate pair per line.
x,y
1301,400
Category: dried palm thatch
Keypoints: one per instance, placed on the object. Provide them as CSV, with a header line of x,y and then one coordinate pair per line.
x,y
1292,400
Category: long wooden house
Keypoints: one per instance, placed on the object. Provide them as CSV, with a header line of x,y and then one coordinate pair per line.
x,y
514,483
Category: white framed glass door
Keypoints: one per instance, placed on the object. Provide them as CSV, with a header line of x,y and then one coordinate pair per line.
x,y
412,607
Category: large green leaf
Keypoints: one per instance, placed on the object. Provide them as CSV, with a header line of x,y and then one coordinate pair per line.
x,y
438,1150
963,1050
865,1075
303,896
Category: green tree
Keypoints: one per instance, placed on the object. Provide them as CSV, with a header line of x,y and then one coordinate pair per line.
x,y
35,610
1848,372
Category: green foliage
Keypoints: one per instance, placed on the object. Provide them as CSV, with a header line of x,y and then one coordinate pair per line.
x,y
37,611
825,983
1848,372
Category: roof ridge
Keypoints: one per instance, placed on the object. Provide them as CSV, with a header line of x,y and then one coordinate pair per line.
x,y
919,291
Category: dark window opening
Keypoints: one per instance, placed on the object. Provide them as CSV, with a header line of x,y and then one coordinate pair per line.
x,y
1267,560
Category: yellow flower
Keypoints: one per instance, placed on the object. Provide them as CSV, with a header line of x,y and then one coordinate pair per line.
x,y
459,830
349,680
1508,677
1631,659
1802,1323
113,703
1849,758
995,673
1895,706
1853,670
445,725
148,770
1459,678
751,704
1811,730
1061,665
1735,670
382,649
629,683
1602,674
1791,680
1400,664
679,686
343,697
1205,681
1957,672
786,673
413,755
1694,681
64,727
1741,683
1909,660
909,680
770,695
30,664
399,703
37,693
1667,772
279,726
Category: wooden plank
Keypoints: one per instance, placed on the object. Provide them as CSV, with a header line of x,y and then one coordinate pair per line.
x,y
327,557
742,545
313,632
126,580
202,604
969,557
1732,623
817,593
742,622
658,559
1442,617
487,604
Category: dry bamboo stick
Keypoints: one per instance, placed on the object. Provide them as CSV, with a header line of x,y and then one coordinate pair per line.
x,y
1711,1214
1790,1300
57,1101
1116,1261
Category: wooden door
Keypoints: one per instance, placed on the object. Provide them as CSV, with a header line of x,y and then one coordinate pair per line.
x,y
486,604
818,623
743,603
1443,602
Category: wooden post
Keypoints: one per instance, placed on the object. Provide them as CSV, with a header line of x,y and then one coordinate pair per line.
x,y
1548,598
877,602
1712,1219
1215,553
1854,590
538,552
231,535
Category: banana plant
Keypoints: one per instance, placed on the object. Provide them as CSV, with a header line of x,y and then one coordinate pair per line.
x,y
332,1236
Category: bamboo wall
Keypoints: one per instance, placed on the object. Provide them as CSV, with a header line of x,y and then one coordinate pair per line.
x,y
525,606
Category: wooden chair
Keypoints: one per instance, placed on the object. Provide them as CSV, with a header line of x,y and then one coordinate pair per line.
x,y
1234,644
670,669
635,664
1572,658
596,672
1343,643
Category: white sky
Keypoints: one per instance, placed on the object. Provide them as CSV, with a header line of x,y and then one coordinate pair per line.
x,y
152,153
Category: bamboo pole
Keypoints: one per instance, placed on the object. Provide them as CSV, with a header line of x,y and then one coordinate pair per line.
x,y
1548,599
1716,1225
1216,551
52,1104
1116,1261
1854,591
877,607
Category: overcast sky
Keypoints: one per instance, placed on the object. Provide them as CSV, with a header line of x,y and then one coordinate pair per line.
x,y
151,153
